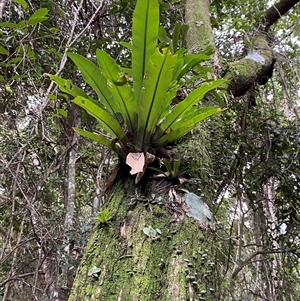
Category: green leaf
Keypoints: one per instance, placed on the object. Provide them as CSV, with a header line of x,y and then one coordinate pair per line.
x,y
3,50
178,69
119,87
153,103
21,25
183,107
175,36
104,118
54,30
176,164
126,45
196,116
220,98
23,3
172,136
144,39
67,86
63,112
159,171
101,140
93,76
191,60
162,36
127,71
168,167
38,16
104,216
52,96
8,24
185,125
184,30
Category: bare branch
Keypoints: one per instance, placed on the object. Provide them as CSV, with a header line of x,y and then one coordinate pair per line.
x,y
276,11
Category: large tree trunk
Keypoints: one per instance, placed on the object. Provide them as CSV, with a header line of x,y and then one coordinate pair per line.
x,y
134,266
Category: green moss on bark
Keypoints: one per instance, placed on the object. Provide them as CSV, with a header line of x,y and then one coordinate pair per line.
x,y
200,33
135,266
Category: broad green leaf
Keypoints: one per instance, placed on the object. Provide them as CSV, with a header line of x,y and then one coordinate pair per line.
x,y
169,96
190,61
126,45
168,166
183,107
144,39
102,140
172,136
127,71
38,16
152,104
21,25
185,125
8,24
67,86
175,36
195,117
119,87
162,36
184,30
23,3
178,69
95,78
3,50
108,123
220,98
63,112
176,164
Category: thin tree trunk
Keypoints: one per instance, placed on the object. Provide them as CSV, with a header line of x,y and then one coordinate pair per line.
x,y
71,180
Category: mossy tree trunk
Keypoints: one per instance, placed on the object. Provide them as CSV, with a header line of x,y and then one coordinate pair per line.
x,y
172,265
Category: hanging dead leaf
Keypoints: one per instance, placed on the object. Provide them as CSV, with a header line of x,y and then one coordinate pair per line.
x,y
111,179
149,158
136,161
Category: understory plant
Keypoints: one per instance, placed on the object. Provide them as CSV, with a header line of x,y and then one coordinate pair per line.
x,y
134,109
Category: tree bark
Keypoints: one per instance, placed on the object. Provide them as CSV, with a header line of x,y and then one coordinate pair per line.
x,y
134,266
276,11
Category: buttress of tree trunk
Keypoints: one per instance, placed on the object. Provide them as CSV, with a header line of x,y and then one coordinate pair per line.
x,y
122,263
